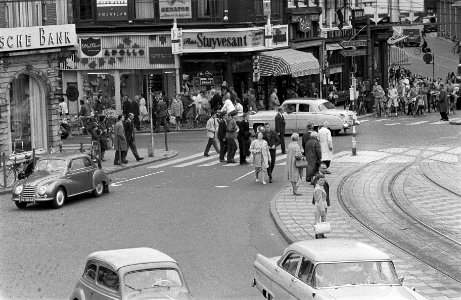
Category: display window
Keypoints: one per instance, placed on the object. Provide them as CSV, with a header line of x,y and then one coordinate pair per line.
x,y
100,85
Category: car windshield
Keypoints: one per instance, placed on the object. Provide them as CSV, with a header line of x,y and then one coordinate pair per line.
x,y
326,105
51,165
354,273
152,278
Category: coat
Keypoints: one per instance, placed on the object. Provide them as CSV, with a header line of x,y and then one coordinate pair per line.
x,y
443,103
326,143
119,137
274,101
177,108
313,156
212,126
306,137
257,147
292,173
129,130
161,109
280,124
243,137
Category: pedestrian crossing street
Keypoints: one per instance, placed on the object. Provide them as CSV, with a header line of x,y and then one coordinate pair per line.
x,y
198,160
405,121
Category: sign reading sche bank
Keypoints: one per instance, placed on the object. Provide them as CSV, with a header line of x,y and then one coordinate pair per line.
x,y
37,37
227,40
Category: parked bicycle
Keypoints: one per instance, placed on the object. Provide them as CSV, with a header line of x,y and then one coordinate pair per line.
x,y
21,167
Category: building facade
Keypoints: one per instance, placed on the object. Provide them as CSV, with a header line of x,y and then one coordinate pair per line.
x,y
30,83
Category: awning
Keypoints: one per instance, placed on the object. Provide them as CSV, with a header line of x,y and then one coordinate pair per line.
x,y
334,46
288,62
398,57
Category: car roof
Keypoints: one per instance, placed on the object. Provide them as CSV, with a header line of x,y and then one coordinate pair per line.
x,y
306,100
132,256
335,250
64,155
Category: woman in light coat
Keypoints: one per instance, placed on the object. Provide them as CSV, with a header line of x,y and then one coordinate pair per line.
x,y
326,144
292,173
261,156
177,111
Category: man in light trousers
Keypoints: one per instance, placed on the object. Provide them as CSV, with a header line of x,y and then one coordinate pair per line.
x,y
211,130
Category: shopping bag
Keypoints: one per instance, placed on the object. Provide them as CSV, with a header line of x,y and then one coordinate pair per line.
x,y
322,227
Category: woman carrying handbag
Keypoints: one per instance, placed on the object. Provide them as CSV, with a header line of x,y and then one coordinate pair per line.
x,y
261,156
320,211
293,168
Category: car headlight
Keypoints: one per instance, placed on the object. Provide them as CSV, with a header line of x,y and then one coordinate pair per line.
x,y
343,116
42,190
18,190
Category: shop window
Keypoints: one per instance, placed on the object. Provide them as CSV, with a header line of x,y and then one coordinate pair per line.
x,y
144,9
208,8
100,85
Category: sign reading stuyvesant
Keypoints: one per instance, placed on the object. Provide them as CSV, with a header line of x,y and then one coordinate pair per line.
x,y
175,9
37,37
112,10
224,40
90,47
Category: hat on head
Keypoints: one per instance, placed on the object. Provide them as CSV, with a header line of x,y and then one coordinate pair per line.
x,y
232,113
294,136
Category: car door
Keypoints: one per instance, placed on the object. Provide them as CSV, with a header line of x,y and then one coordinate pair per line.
x,y
290,117
80,176
283,275
107,284
88,280
305,115
301,285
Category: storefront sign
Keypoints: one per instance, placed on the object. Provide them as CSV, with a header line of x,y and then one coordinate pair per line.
x,y
232,40
241,64
160,55
354,43
280,36
37,37
334,34
90,47
175,9
112,10
135,52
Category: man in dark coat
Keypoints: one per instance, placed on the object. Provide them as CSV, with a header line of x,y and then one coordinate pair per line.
x,y
127,106
273,141
222,135
280,128
306,135
243,138
313,155
120,145
161,114
129,134
231,135
443,103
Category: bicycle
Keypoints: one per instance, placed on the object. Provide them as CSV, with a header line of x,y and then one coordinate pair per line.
x,y
418,50
13,171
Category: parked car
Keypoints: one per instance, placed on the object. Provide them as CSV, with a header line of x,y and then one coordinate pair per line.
x,y
330,269
414,37
300,111
135,273
59,176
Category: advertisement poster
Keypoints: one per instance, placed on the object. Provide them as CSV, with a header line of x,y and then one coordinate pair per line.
x,y
112,10
175,9
160,55
90,47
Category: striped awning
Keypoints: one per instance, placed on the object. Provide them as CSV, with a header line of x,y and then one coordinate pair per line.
x,y
288,62
398,57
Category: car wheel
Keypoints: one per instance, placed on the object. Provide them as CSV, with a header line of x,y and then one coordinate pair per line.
x,y
59,198
20,205
106,188
98,189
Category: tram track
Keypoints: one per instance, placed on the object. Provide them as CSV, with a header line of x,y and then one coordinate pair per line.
x,y
399,226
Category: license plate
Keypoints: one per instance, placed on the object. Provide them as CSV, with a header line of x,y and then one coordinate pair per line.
x,y
27,200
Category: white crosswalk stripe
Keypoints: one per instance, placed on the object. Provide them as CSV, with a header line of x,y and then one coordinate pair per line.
x,y
416,123
392,124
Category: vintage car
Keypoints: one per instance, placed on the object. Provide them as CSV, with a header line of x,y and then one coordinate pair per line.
x,y
135,273
59,176
300,111
330,269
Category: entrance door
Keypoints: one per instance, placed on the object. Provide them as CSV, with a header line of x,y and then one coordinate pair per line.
x,y
38,114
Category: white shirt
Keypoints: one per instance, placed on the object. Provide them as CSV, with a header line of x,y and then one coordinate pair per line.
x,y
63,108
239,109
228,106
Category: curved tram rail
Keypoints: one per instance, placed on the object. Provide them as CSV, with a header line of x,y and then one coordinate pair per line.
x,y
416,237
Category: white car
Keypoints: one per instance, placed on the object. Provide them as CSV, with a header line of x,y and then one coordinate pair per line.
x,y
300,111
134,273
330,269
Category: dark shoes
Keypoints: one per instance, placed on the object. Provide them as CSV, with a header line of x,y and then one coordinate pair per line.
x,y
244,163
270,179
139,158
284,152
297,194
206,155
222,160
125,161
116,164
232,161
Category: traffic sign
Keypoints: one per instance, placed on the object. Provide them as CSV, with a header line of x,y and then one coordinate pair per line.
x,y
354,52
354,43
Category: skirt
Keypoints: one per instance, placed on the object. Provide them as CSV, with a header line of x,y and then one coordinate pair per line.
x,y
258,163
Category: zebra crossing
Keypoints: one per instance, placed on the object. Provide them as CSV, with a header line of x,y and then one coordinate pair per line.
x,y
398,121
199,161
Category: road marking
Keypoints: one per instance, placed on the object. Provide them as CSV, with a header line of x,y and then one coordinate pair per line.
x,y
221,186
175,161
196,161
118,183
243,176
361,121
416,123
380,120
210,164
392,124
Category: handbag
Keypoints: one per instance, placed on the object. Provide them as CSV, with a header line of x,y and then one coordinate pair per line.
x,y
109,143
301,163
250,159
322,227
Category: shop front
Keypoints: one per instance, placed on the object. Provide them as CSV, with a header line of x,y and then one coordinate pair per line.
x,y
113,66
30,85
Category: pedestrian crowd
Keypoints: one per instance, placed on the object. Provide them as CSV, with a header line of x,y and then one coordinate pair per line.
x,y
415,95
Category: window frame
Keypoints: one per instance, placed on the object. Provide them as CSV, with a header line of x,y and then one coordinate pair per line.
x,y
284,259
100,284
95,272
310,273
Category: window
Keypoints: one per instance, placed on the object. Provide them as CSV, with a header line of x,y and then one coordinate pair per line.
x,y
85,9
305,271
24,13
144,9
90,272
291,263
78,164
87,163
108,278
208,8
303,107
290,108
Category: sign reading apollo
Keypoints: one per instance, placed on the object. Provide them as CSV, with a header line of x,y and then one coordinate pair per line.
x,y
37,37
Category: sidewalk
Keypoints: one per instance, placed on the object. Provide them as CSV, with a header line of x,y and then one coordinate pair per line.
x,y
108,165
432,173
